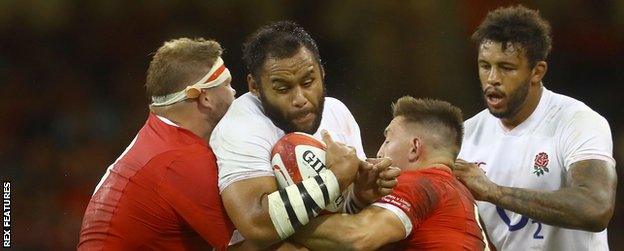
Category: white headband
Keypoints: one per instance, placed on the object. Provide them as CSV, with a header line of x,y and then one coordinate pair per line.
x,y
217,75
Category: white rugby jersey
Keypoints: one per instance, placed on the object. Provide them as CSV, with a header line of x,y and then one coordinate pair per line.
x,y
244,138
537,154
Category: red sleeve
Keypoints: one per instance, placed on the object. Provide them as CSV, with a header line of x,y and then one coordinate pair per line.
x,y
416,196
190,187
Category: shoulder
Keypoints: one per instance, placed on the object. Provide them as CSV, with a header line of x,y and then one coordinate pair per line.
x,y
416,193
581,132
244,121
336,116
421,181
336,113
246,108
195,152
189,166
334,103
189,157
572,112
335,107
478,121
189,182
189,170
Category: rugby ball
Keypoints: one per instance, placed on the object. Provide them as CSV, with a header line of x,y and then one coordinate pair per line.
x,y
298,156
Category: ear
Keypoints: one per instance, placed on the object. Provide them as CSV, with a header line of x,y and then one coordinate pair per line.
x,y
254,87
415,149
203,101
539,71
322,71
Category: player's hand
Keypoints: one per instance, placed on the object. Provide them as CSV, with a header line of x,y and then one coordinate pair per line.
x,y
341,160
375,178
481,187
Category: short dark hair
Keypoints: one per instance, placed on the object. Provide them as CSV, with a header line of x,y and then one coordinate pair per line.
x,y
437,115
517,25
281,39
179,63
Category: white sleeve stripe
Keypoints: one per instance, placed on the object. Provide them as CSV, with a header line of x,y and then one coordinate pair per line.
x,y
407,223
236,238
108,170
296,202
483,234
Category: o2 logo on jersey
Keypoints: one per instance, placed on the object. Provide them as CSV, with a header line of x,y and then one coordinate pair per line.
x,y
541,163
520,224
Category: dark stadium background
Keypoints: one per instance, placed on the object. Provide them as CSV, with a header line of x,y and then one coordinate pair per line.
x,y
72,75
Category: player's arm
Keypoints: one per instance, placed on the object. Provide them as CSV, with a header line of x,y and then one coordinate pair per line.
x,y
265,215
246,203
370,229
390,219
587,202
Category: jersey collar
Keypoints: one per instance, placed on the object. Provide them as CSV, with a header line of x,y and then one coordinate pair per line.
x,y
166,124
166,121
535,117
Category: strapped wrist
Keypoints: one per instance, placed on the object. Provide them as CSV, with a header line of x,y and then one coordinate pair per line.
x,y
294,206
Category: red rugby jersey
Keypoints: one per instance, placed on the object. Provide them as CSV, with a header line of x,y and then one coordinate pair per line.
x,y
160,194
441,211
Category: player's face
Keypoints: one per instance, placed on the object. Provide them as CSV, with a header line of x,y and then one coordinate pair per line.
x,y
221,98
292,92
397,144
505,78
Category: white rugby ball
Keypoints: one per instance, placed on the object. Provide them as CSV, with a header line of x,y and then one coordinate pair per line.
x,y
298,156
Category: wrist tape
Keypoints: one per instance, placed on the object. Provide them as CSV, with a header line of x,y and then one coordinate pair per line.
x,y
294,206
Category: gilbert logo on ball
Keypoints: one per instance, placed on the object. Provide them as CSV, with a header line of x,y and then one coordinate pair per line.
x,y
298,156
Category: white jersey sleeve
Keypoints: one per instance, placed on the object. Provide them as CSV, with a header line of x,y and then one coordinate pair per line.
x,y
587,135
242,156
242,142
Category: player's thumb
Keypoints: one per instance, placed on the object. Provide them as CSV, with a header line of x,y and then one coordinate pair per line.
x,y
326,137
365,165
383,163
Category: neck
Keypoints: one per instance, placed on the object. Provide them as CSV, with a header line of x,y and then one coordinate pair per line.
x,y
203,129
437,162
188,120
529,106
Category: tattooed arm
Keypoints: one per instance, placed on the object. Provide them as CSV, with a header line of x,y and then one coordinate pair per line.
x,y
586,202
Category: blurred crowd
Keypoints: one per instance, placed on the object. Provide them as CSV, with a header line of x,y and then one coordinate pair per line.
x,y
72,76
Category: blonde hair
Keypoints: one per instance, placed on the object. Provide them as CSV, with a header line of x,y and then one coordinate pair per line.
x,y
179,63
